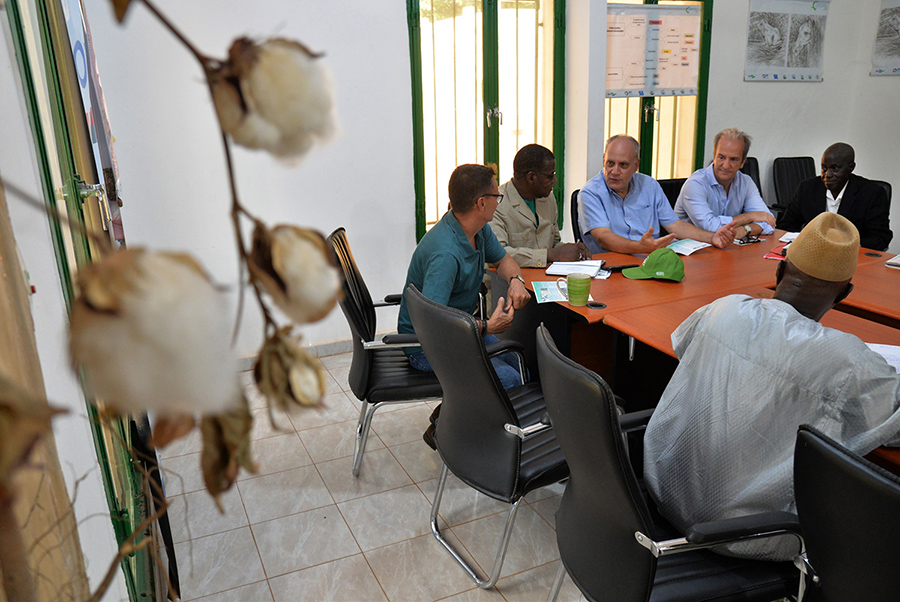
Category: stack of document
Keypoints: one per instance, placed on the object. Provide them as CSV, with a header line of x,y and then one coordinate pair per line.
x,y
590,267
893,262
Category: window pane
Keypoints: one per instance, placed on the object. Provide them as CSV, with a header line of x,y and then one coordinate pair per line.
x,y
525,40
452,84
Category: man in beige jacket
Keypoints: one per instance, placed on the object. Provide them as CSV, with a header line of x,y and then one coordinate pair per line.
x,y
525,223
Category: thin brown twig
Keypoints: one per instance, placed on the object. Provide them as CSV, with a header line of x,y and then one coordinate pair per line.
x,y
204,60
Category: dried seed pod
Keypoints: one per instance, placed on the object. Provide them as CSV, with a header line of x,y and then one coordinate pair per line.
x,y
274,95
287,375
294,266
152,333
170,427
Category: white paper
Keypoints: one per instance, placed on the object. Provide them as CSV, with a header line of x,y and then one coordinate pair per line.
x,y
890,353
652,50
893,262
590,267
686,246
788,237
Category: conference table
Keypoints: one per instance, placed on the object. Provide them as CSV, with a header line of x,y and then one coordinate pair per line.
x,y
648,311
628,341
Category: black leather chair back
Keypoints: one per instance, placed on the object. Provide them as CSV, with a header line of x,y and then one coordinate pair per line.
x,y
470,431
751,168
672,188
787,173
849,513
886,186
602,506
573,215
359,311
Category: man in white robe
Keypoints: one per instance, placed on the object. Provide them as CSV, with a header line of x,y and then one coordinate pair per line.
x,y
721,441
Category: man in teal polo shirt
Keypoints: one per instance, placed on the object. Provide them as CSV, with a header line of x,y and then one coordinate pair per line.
x,y
448,264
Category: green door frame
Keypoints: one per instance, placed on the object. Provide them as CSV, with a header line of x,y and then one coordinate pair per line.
x,y
490,97
130,510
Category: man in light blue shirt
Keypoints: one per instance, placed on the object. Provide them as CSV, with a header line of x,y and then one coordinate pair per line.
x,y
720,194
621,210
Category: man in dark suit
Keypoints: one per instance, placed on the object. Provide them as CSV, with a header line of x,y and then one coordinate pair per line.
x,y
862,201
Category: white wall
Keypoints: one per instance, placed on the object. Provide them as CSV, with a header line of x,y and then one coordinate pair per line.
x,y
798,118
169,154
72,431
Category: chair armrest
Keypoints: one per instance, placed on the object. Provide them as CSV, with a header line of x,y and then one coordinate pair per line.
x,y
723,531
506,346
393,341
713,533
389,300
635,421
537,427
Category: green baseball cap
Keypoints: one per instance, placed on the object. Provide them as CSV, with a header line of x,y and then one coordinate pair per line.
x,y
662,264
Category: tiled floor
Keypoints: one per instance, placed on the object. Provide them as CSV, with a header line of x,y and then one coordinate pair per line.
x,y
304,529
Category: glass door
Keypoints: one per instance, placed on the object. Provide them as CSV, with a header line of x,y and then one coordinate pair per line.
x,y
485,83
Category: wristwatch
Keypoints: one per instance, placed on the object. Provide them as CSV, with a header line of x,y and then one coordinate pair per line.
x,y
747,230
519,278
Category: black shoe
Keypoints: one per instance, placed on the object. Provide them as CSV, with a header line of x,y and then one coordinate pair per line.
x,y
428,436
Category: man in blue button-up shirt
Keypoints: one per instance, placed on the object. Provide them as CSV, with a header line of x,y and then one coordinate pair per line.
x,y
720,194
621,210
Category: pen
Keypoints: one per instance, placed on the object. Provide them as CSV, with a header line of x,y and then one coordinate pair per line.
x,y
619,268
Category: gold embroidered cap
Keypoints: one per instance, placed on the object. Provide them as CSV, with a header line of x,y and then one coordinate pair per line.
x,y
827,248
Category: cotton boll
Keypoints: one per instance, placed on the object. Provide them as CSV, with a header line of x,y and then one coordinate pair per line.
x,y
293,265
152,333
287,375
276,95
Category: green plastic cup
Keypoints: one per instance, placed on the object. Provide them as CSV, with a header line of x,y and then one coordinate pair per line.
x,y
578,288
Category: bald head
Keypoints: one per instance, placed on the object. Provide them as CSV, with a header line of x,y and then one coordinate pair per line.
x,y
838,162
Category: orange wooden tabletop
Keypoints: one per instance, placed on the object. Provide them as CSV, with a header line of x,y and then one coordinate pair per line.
x,y
876,289
708,270
654,324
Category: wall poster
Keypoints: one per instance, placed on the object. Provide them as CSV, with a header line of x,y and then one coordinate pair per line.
x,y
652,50
785,40
886,51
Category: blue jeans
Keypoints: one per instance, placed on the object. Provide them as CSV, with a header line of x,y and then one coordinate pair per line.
x,y
506,366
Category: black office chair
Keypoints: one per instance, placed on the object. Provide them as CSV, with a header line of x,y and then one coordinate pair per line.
x,y
609,542
380,374
751,168
491,439
573,215
672,188
887,188
787,173
849,511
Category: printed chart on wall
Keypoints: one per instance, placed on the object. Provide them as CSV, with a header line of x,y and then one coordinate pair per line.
x,y
652,50
886,51
785,41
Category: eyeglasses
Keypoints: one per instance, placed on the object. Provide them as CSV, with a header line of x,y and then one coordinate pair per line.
x,y
499,197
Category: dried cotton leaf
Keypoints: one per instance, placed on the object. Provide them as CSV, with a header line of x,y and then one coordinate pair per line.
x,y
121,7
226,449
170,427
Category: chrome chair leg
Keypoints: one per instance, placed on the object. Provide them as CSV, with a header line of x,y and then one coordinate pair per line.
x,y
362,433
491,579
557,583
